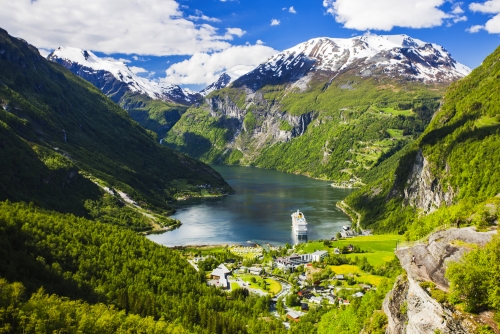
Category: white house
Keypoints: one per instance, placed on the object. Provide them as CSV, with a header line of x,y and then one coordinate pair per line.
x,y
220,273
316,300
318,256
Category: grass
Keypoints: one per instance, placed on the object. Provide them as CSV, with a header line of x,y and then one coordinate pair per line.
x,y
486,121
379,248
395,133
361,276
273,286
235,286
396,112
205,250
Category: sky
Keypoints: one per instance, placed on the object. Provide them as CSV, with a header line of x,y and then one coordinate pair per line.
x,y
192,42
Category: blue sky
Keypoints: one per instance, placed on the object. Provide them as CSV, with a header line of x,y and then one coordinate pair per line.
x,y
190,42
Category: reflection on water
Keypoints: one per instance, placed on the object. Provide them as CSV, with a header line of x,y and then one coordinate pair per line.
x,y
260,211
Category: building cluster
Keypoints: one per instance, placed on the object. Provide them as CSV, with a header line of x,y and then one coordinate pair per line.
x,y
293,261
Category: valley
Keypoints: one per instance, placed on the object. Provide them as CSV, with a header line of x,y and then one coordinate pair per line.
x,y
112,221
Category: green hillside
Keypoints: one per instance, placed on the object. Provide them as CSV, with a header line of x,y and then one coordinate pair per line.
x,y
155,115
60,137
462,147
353,124
79,276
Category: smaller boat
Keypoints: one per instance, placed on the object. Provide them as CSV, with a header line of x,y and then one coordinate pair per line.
x,y
299,224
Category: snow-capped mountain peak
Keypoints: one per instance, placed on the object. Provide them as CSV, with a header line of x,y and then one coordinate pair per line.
x,y
391,55
98,71
222,82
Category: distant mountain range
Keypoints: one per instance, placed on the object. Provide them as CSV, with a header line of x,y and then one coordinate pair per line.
x,y
330,108
115,78
394,56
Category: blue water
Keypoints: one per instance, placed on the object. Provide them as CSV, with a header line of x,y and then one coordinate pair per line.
x,y
260,210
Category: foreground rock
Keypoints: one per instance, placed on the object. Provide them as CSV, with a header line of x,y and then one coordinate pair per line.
x,y
409,307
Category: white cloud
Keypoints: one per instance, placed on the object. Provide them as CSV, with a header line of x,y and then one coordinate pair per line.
x,y
275,22
44,52
457,9
489,7
137,70
123,60
234,31
259,42
204,68
137,58
462,18
292,10
386,14
200,16
153,27
475,29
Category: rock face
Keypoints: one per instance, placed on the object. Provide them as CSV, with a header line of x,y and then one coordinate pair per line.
x,y
410,309
424,190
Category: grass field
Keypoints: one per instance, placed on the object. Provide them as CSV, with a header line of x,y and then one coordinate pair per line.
x,y
206,249
395,133
378,248
273,286
362,278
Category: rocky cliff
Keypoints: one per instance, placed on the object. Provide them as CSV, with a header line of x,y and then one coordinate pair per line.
x,y
409,306
424,190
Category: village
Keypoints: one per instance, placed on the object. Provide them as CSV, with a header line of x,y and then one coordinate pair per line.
x,y
311,275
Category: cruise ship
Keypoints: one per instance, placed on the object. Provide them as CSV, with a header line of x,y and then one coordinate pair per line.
x,y
299,224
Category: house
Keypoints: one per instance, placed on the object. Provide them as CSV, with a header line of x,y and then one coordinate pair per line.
x,y
294,316
337,251
220,273
255,270
316,300
348,233
365,286
358,294
340,277
304,306
331,299
318,256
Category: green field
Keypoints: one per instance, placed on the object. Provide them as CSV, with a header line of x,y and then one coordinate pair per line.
x,y
205,250
361,276
378,248
273,286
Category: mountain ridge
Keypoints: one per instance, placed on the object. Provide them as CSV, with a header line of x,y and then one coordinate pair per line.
x,y
314,98
62,141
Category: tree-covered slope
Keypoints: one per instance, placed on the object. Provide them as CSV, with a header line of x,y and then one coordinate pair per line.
x,y
451,173
115,279
58,132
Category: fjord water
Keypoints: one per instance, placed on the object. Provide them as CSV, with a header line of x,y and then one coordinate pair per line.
x,y
260,210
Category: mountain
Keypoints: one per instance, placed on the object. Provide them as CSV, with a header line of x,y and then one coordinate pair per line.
x,y
222,82
114,78
155,105
395,56
450,175
65,146
329,108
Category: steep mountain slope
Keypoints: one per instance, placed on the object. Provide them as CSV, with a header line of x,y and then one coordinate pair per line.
x,y
328,108
58,132
451,173
156,106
